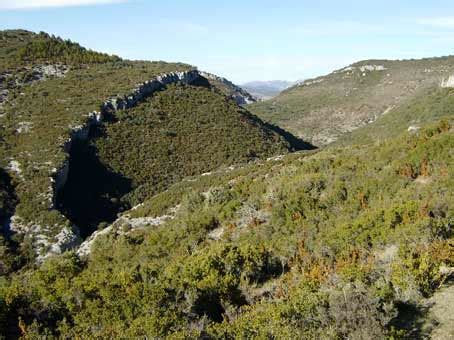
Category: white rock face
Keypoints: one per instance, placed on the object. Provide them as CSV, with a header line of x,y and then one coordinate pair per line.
x,y
14,166
44,245
216,234
24,127
147,88
57,70
240,95
364,68
447,82
311,82
64,240
371,68
413,128
86,247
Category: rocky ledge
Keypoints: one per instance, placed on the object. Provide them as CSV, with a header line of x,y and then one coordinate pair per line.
x,y
241,96
51,240
140,92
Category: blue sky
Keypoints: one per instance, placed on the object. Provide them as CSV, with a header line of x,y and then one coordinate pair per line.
x,y
246,40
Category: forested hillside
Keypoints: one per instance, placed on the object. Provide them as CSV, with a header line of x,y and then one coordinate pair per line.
x,y
181,131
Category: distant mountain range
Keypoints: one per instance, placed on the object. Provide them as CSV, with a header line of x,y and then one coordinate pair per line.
x,y
266,89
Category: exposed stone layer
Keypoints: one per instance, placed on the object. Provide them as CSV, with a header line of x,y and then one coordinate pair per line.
x,y
241,96
68,238
143,90
447,82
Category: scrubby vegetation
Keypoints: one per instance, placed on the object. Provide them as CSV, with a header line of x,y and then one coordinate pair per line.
x,y
227,241
323,109
429,105
181,131
49,110
332,244
184,131
56,50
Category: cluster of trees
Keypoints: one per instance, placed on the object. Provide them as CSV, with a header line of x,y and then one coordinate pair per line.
x,y
57,50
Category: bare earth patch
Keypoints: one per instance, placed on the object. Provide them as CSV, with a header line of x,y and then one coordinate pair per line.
x,y
441,309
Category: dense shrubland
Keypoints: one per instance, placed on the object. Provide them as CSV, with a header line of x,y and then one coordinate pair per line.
x,y
51,109
333,244
338,243
180,132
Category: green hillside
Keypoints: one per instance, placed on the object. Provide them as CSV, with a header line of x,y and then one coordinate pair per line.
x,y
139,200
19,48
321,110
179,132
48,88
39,117
431,104
337,244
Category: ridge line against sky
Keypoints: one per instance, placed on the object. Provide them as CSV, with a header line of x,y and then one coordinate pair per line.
x,y
246,40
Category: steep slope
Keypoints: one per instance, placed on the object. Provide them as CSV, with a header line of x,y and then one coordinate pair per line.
x,y
240,95
339,243
427,106
178,132
55,94
325,108
266,89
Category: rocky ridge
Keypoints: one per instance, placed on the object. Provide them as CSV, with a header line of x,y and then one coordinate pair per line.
x,y
241,96
68,237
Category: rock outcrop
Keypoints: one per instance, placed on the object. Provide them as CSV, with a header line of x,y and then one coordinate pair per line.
x,y
28,75
51,240
241,96
82,132
447,82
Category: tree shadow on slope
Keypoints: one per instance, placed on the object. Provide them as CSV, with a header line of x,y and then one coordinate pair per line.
x,y
92,192
413,319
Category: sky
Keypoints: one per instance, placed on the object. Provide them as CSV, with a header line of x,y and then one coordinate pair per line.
x,y
246,40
